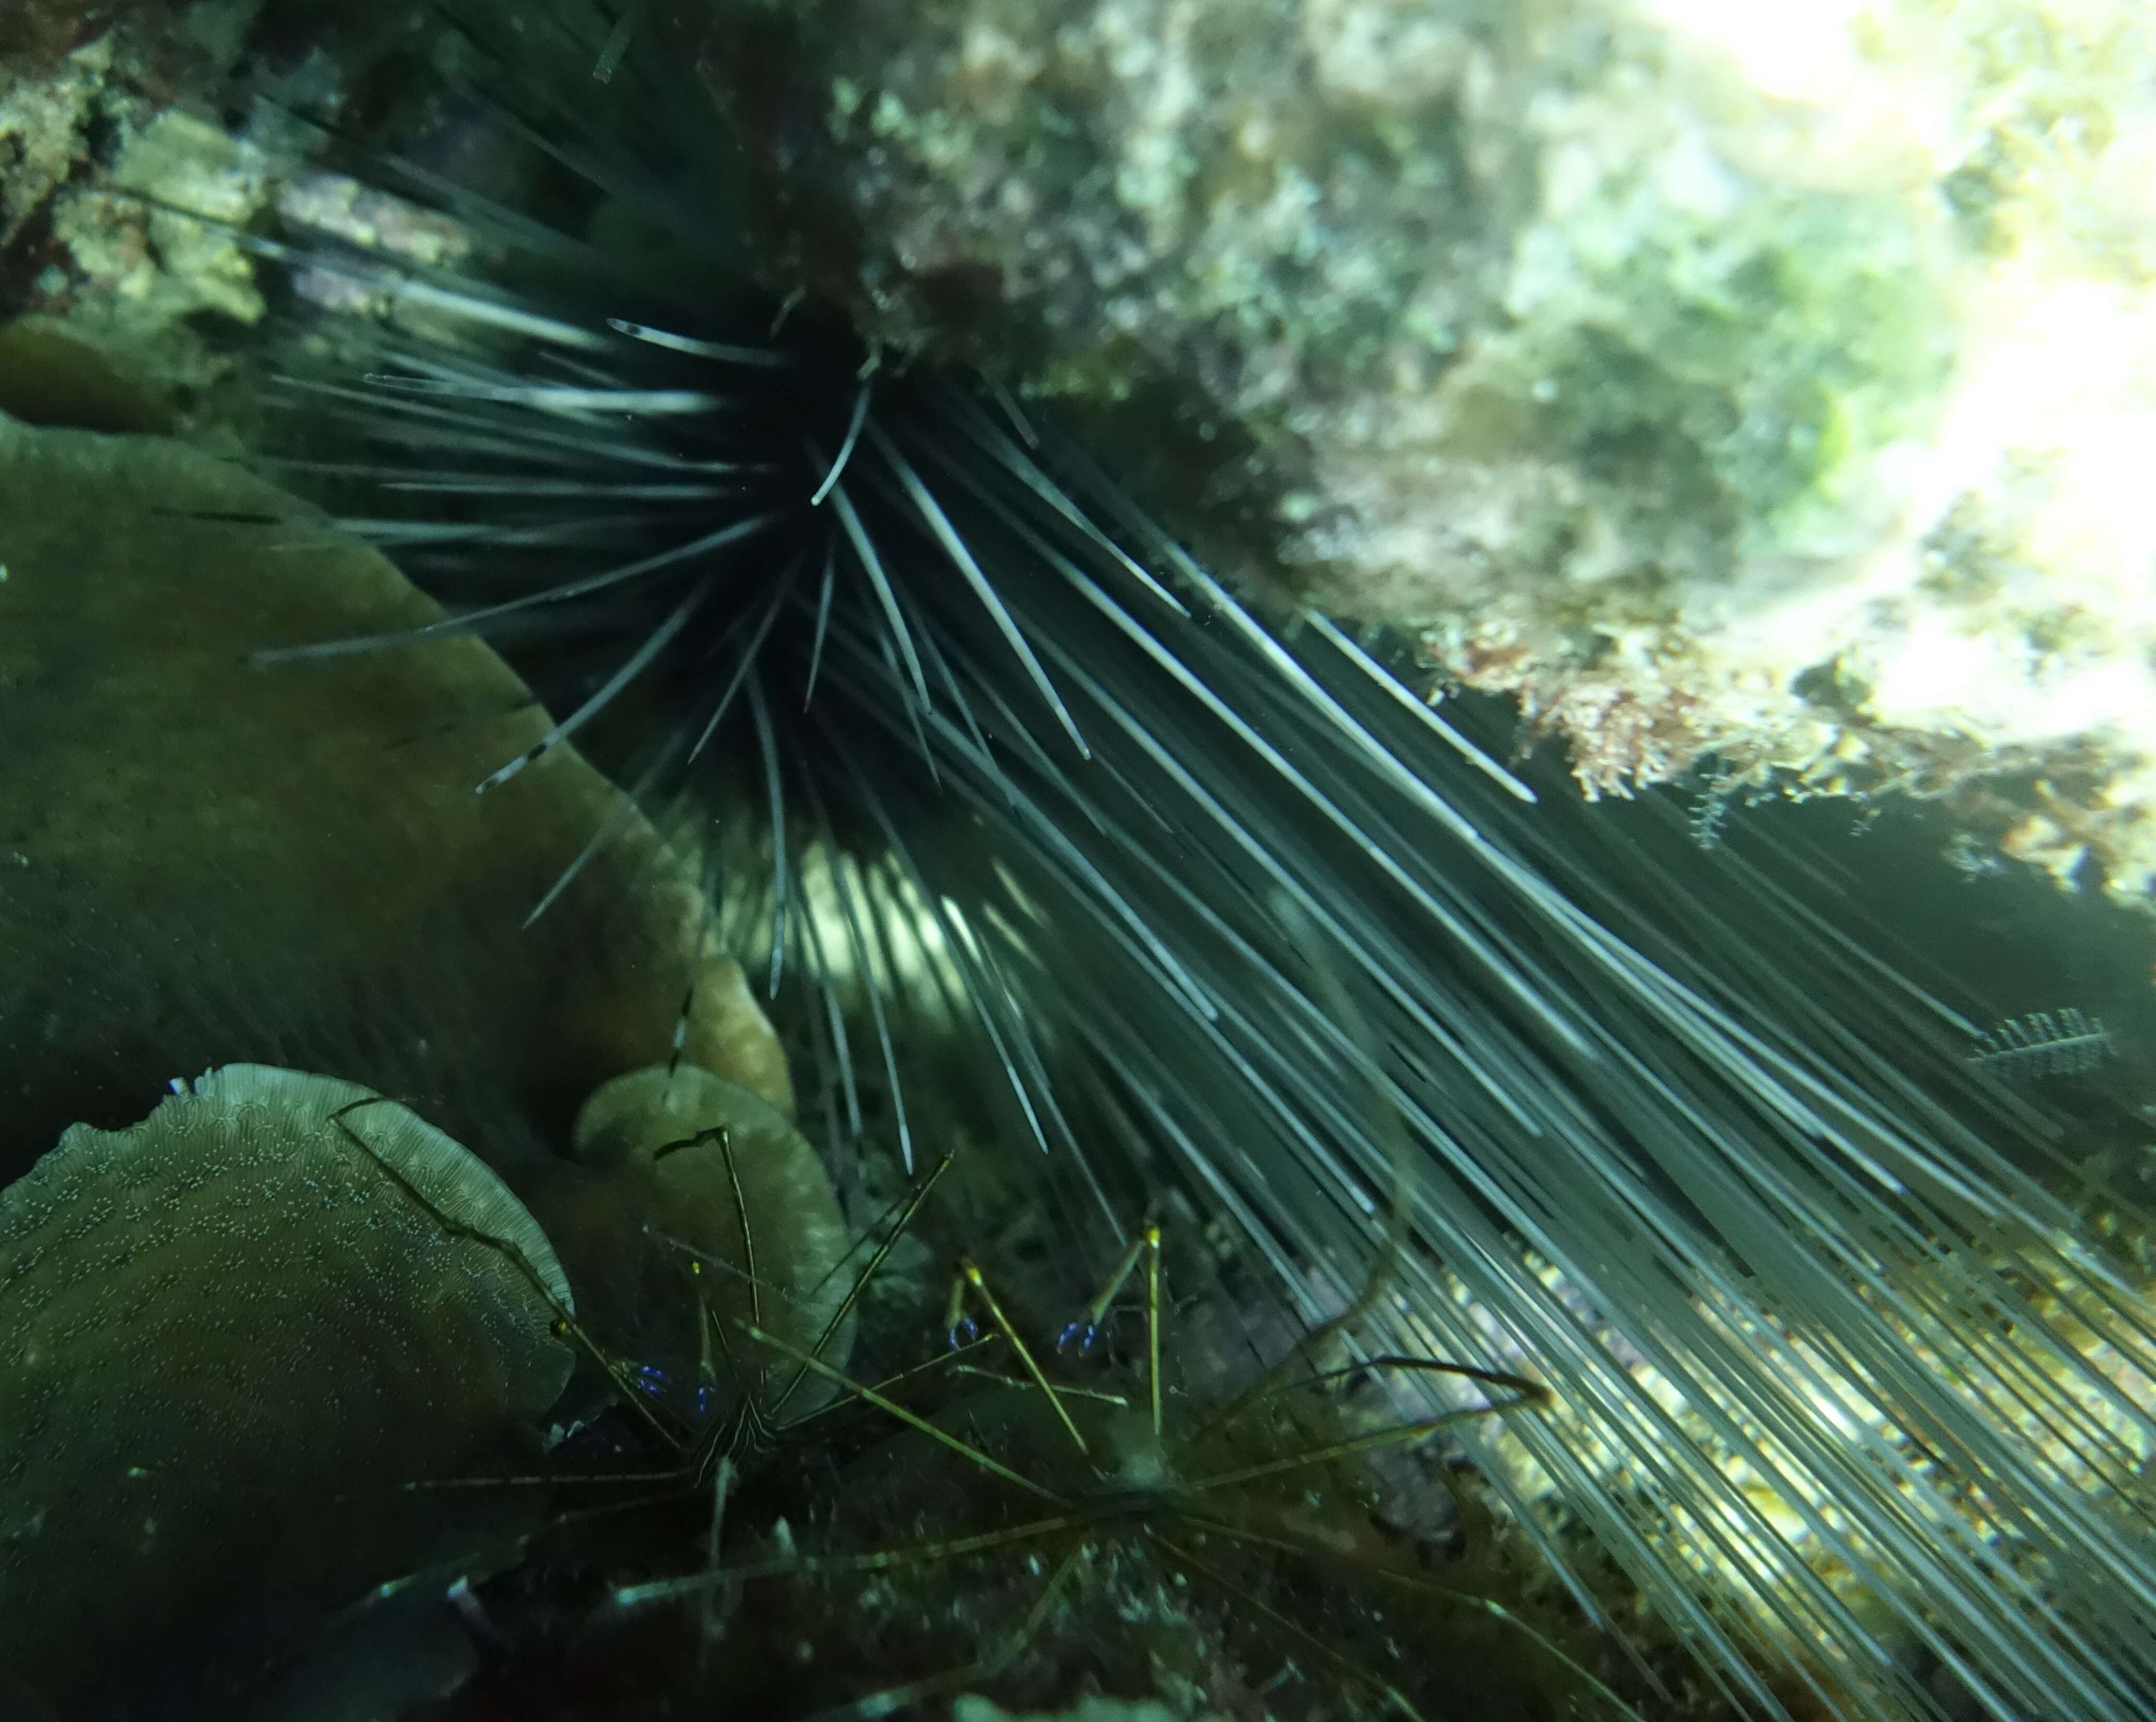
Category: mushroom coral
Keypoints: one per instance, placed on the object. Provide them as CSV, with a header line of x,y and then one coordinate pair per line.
x,y
235,1334
232,1339
680,1174
203,861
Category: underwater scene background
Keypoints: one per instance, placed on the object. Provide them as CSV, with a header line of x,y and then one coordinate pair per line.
x,y
1135,859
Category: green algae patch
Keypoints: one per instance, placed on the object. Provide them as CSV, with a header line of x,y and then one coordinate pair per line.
x,y
1748,374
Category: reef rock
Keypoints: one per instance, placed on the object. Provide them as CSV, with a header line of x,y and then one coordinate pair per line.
x,y
111,125
1756,382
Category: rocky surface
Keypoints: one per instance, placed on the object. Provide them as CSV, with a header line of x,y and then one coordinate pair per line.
x,y
103,146
1724,386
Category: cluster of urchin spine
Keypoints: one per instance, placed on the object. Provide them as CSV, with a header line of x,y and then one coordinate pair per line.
x,y
1020,766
